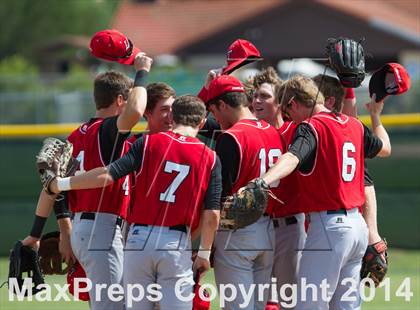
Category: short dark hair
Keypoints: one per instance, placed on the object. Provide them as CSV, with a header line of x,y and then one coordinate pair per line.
x,y
331,87
233,99
156,92
108,86
188,110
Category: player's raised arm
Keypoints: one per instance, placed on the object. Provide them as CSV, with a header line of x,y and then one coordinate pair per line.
x,y
134,109
375,110
349,103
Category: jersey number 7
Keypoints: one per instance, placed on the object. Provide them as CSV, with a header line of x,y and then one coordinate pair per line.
x,y
170,167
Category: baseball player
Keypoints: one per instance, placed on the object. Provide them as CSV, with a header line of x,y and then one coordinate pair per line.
x,y
328,150
96,238
247,148
288,218
334,93
166,210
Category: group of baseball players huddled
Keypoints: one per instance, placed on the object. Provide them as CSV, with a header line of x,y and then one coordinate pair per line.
x,y
134,203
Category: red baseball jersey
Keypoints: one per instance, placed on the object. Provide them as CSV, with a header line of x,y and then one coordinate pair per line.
x,y
114,198
288,189
259,147
336,179
172,181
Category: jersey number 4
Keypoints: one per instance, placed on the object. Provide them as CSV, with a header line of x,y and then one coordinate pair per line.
x,y
182,170
349,163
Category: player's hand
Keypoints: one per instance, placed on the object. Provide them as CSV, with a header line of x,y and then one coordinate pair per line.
x,y
31,242
213,73
201,265
65,249
142,62
375,108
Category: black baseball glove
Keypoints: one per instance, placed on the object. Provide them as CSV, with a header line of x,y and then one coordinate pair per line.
x,y
55,160
24,259
346,57
245,208
375,262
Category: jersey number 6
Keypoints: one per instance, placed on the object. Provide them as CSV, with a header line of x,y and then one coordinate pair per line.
x,y
349,163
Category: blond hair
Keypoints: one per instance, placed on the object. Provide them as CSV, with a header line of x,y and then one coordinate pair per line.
x,y
302,89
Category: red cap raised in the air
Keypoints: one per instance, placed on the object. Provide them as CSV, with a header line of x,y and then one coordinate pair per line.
x,y
382,87
114,46
241,52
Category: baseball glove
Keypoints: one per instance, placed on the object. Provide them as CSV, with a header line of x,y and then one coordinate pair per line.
x,y
49,254
55,160
346,57
24,259
375,262
245,208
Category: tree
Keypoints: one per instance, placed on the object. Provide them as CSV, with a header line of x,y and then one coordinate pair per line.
x,y
27,24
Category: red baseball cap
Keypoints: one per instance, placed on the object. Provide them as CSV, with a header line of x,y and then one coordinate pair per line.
x,y
77,271
240,53
378,86
224,84
198,303
114,46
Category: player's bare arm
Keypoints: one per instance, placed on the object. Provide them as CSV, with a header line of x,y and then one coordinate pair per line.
x,y
209,225
43,209
98,177
136,104
349,103
102,176
65,246
375,110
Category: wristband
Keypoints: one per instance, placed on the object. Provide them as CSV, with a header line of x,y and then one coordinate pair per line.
x,y
350,93
140,79
63,184
203,253
61,209
38,226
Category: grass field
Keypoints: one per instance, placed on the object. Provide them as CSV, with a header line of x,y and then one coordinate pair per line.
x,y
403,264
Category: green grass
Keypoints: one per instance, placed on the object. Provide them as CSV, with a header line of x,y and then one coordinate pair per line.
x,y
403,264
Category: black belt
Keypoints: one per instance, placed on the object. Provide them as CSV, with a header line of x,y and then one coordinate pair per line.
x,y
182,228
339,211
91,216
288,220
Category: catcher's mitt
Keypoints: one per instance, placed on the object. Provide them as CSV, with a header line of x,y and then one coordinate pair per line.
x,y
49,254
347,59
24,259
245,208
375,262
55,160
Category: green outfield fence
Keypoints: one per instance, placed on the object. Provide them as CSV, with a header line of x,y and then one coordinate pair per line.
x,y
396,179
